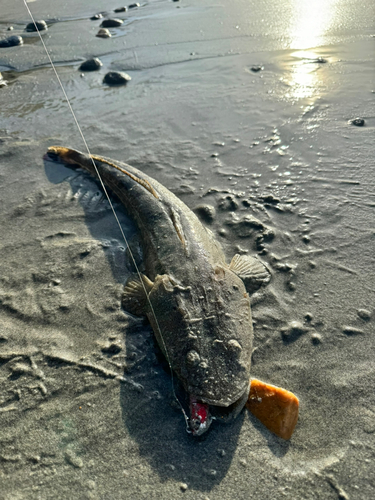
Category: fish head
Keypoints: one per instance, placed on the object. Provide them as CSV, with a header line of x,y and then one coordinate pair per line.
x,y
205,332
60,154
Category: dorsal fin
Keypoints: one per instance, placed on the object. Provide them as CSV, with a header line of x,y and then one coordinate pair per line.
x,y
142,182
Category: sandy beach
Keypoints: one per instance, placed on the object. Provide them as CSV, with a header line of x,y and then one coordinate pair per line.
x,y
245,107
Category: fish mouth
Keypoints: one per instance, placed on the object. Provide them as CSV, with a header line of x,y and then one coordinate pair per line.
x,y
200,417
202,414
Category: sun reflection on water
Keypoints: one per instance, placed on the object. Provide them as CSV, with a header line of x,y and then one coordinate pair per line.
x,y
310,22
309,25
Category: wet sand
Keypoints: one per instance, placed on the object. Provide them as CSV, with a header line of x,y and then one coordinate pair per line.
x,y
86,403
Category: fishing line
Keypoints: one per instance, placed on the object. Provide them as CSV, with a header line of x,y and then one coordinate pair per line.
x,y
113,211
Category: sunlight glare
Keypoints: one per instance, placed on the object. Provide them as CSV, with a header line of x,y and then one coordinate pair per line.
x,y
308,29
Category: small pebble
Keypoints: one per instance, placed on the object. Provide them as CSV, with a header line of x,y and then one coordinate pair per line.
x,y
41,25
11,41
103,33
270,198
351,330
120,9
112,349
91,64
111,23
183,486
321,60
364,314
134,5
316,338
283,267
19,369
358,122
95,17
293,331
10,28
308,317
255,69
116,78
306,239
72,459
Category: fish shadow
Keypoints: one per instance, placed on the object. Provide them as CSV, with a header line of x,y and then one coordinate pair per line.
x,y
150,411
98,215
155,420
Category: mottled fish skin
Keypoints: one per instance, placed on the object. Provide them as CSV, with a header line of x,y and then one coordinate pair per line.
x,y
201,305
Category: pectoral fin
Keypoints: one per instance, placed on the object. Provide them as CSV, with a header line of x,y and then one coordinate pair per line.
x,y
251,270
134,297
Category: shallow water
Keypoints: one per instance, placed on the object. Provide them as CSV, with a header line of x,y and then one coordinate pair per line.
x,y
273,144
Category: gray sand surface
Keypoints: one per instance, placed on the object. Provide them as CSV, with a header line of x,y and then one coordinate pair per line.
x,y
86,404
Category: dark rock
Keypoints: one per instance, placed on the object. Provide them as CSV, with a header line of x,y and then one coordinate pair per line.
x,y
11,41
95,17
358,122
134,5
116,78
255,69
41,25
91,64
364,314
206,213
111,23
121,9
